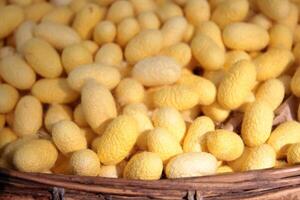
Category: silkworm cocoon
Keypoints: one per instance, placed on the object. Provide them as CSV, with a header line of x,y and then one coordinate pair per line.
x,y
126,30
260,157
195,139
148,20
143,6
28,116
43,58
286,81
207,52
86,19
191,11
118,140
15,71
60,14
168,10
145,44
295,83
293,154
160,141
284,134
281,37
272,63
144,166
35,156
215,76
296,52
237,84
58,35
275,9
156,71
170,119
85,162
109,54
135,107
55,90
191,165
37,11
79,117
179,96
13,15
105,31
224,145
234,56
245,36
74,56
271,92
254,133
181,52
67,137
106,75
224,169
10,149
205,88
57,113
216,112
90,45
211,29
119,10
261,20
24,33
9,98
98,105
129,91
6,136
228,12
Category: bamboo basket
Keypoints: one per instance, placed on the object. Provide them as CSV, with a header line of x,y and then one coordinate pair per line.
x,y
281,184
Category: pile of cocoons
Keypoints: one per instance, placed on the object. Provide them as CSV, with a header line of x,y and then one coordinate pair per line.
x,y
149,89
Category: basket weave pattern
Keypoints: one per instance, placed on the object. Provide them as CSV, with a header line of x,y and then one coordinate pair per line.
x,y
274,184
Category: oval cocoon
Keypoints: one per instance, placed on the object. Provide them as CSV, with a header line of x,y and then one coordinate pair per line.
x,y
257,123
144,166
118,139
145,44
37,155
245,36
28,116
157,70
55,90
68,137
237,84
58,35
191,165
98,105
43,58
15,71
207,52
105,75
